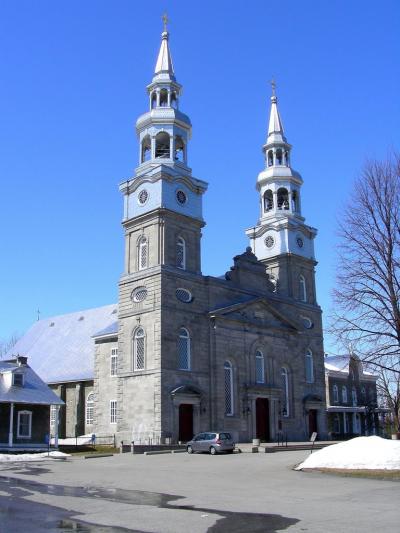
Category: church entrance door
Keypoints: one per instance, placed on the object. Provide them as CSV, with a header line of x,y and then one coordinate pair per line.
x,y
262,419
185,422
312,421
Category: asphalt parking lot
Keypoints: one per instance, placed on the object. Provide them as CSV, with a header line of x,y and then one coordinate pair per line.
x,y
177,493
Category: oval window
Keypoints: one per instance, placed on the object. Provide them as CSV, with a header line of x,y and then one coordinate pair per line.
x,y
184,295
139,294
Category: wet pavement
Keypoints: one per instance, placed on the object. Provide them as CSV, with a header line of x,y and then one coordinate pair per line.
x,y
17,511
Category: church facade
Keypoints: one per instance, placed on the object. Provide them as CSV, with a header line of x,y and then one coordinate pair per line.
x,y
189,352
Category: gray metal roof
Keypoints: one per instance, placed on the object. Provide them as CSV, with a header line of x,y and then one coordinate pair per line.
x,y
109,330
61,348
33,391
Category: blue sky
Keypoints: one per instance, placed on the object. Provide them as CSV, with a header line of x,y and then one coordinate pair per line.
x,y
72,84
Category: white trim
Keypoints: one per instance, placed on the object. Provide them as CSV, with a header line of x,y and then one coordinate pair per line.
x,y
29,413
89,409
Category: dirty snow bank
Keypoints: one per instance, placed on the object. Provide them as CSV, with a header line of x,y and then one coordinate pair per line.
x,y
27,457
369,453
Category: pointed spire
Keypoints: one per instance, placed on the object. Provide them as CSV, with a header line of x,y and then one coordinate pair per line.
x,y
275,127
164,63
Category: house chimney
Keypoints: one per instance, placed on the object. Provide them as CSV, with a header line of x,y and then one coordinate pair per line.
x,y
22,360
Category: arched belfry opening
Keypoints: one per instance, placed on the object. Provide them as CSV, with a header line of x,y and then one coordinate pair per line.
x,y
283,198
163,145
146,149
179,154
163,98
174,100
153,99
268,200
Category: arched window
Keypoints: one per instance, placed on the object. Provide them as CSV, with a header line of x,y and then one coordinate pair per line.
x,y
184,349
89,408
354,396
283,199
260,369
344,394
180,253
163,98
268,200
279,157
309,367
335,393
146,149
270,158
302,289
179,154
142,253
153,99
162,145
139,349
228,384
285,389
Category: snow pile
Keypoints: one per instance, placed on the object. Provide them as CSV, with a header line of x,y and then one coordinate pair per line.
x,y
369,453
72,441
28,457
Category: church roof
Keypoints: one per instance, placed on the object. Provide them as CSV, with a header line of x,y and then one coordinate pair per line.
x,y
61,348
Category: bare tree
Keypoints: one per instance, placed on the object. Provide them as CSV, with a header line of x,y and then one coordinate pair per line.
x,y
388,387
367,293
6,345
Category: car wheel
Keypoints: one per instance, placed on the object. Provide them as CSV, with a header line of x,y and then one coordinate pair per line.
x,y
213,451
189,449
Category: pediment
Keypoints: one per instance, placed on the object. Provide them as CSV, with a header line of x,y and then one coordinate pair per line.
x,y
258,311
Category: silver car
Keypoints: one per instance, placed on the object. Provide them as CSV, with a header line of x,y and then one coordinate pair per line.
x,y
212,442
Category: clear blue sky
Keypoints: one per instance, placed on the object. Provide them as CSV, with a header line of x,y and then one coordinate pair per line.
x,y
72,83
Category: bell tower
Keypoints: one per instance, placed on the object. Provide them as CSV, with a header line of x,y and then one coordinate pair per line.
x,y
281,239
163,201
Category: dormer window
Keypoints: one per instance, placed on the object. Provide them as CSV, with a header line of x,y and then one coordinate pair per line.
x,y
18,380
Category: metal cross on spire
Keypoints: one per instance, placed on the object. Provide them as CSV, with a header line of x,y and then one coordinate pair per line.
x,y
165,20
273,85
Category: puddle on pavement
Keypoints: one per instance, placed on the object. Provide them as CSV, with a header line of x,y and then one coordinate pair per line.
x,y
227,521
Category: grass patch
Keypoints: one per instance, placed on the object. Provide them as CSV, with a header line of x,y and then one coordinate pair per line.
x,y
392,475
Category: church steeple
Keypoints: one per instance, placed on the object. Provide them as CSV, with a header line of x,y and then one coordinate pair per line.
x,y
281,232
164,65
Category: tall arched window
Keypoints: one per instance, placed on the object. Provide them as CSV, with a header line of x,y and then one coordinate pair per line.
x,y
302,289
285,388
179,154
354,396
163,98
142,253
260,368
309,367
228,387
335,393
268,200
279,157
184,349
89,408
162,145
344,394
270,158
153,99
180,253
139,349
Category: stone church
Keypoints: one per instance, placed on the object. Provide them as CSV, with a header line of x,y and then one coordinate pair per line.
x,y
188,352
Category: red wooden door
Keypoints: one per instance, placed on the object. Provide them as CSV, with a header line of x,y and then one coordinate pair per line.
x,y
185,422
312,421
262,419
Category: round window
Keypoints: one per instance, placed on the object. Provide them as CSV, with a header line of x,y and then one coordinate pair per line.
x,y
139,294
307,323
300,242
183,295
143,197
181,197
269,241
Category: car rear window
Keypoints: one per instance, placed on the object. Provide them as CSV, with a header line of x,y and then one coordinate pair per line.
x,y
225,436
